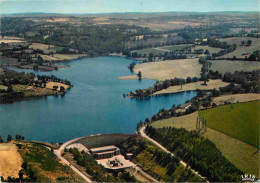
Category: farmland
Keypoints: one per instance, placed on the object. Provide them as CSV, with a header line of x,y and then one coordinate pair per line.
x,y
7,60
194,86
241,51
161,50
10,160
239,120
45,48
236,98
223,66
168,69
210,49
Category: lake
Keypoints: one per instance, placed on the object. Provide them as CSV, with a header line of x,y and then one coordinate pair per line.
x,y
94,105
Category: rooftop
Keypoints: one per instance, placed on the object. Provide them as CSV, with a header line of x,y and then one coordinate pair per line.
x,y
103,149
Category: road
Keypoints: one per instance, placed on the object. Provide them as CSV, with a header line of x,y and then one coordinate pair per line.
x,y
147,176
58,154
143,134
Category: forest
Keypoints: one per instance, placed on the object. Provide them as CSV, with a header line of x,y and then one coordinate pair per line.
x,y
199,153
144,152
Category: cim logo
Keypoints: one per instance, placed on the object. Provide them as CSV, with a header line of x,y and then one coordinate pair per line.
x,y
248,178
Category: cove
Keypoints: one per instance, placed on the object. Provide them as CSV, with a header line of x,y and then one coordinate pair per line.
x,y
94,105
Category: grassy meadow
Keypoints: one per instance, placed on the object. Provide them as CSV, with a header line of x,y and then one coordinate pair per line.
x,y
223,66
239,120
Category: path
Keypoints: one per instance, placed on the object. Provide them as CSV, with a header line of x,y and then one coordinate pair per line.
x,y
137,168
142,133
58,154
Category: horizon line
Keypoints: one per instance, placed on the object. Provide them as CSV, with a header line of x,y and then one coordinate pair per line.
x,y
132,12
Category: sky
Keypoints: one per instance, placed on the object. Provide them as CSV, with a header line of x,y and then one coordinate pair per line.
x,y
109,6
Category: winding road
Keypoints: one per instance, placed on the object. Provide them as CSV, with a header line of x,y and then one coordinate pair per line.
x,y
58,154
143,134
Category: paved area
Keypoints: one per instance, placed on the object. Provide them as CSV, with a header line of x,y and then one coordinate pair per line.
x,y
122,162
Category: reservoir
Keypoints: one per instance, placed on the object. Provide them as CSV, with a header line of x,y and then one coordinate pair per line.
x,y
94,105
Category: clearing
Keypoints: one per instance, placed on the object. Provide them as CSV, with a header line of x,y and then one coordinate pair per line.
x,y
31,91
241,51
51,84
239,120
223,66
193,86
162,50
8,39
10,160
45,47
68,56
241,154
3,87
8,61
246,97
211,49
169,69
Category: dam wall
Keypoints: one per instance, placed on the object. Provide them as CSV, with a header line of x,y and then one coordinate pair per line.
x,y
104,140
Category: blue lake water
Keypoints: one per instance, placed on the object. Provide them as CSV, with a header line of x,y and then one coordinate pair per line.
x,y
94,105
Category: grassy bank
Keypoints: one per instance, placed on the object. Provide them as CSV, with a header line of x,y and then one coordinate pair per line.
x,y
41,165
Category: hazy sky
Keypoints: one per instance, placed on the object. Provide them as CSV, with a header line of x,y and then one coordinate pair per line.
x,y
107,6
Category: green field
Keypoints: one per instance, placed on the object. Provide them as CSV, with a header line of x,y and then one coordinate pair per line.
x,y
240,121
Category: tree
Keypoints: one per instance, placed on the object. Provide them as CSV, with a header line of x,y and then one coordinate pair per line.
x,y
9,138
249,42
207,52
204,78
10,89
242,43
147,120
19,137
21,173
62,89
55,87
1,139
44,83
139,75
